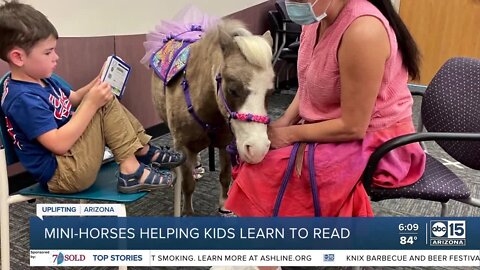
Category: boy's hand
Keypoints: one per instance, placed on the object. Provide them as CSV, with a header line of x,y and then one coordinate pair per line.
x,y
101,70
99,75
99,94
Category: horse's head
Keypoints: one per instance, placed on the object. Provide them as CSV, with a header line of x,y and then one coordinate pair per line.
x,y
247,78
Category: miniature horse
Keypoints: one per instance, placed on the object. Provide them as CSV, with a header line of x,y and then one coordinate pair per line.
x,y
221,90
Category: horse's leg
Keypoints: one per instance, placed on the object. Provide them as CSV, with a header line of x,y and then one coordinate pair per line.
x,y
225,179
188,183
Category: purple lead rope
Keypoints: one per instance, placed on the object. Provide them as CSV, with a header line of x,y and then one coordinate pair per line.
x,y
288,174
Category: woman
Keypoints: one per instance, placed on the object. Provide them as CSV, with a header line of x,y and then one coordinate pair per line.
x,y
353,65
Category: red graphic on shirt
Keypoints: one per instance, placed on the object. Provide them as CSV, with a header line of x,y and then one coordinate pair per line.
x,y
12,134
62,106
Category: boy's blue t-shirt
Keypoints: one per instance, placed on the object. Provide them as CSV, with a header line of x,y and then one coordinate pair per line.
x,y
32,110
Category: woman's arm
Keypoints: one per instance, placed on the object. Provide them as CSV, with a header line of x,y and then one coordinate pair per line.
x,y
291,115
362,54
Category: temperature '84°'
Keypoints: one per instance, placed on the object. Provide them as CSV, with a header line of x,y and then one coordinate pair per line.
x,y
408,240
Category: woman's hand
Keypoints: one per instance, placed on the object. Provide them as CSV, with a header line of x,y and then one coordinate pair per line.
x,y
279,137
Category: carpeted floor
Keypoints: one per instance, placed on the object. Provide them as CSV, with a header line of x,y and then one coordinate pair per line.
x,y
160,203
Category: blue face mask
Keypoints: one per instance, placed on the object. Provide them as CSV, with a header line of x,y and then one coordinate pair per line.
x,y
302,13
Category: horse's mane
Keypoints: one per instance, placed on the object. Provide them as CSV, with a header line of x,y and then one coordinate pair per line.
x,y
256,49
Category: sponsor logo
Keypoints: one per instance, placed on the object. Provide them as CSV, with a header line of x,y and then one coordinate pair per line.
x,y
328,257
61,258
58,258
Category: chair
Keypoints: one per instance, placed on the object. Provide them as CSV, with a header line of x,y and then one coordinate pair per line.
x,y
451,115
104,188
285,34
289,32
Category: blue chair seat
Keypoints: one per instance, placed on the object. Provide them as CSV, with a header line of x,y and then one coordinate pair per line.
x,y
104,189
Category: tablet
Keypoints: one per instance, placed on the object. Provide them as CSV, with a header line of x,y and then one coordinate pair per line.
x,y
116,74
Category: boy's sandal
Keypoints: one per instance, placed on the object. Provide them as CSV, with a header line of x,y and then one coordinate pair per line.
x,y
157,179
167,158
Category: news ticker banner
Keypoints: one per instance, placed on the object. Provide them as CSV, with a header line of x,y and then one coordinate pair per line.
x,y
165,241
443,258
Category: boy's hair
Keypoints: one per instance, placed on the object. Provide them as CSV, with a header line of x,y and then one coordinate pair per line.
x,y
22,26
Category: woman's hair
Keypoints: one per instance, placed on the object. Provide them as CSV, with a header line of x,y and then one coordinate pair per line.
x,y
406,43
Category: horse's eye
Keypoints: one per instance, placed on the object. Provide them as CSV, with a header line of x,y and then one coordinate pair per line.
x,y
233,92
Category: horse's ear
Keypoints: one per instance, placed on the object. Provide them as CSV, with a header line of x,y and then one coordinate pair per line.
x,y
268,37
227,42
227,31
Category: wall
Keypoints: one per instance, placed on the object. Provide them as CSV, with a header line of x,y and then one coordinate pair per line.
x,y
88,35
442,29
88,18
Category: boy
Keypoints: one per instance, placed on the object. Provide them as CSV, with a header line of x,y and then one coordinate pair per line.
x,y
63,150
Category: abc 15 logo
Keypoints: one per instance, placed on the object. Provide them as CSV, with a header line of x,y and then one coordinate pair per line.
x,y
452,229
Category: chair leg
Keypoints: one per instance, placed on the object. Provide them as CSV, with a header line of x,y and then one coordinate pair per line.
x,y
277,79
4,214
280,48
471,201
275,59
287,75
275,47
443,213
177,201
5,234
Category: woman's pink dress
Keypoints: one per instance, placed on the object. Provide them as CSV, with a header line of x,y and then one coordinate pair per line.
x,y
338,166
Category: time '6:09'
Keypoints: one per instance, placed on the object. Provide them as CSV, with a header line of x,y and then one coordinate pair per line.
x,y
408,227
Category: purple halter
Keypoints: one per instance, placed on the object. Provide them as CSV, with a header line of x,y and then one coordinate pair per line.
x,y
246,117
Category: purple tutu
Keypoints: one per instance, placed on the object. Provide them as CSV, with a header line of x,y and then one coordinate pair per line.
x,y
188,24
